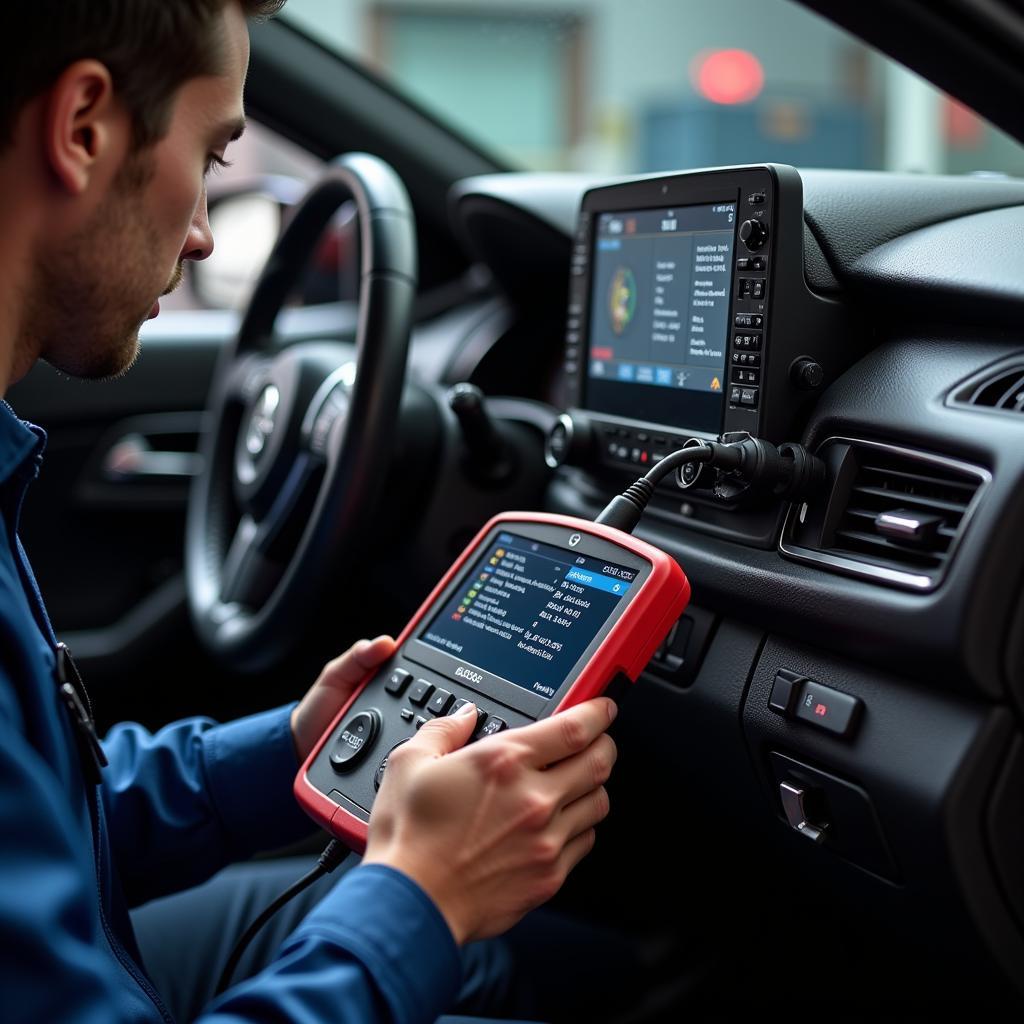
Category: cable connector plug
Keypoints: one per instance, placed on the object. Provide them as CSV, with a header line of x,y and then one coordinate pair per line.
x,y
789,472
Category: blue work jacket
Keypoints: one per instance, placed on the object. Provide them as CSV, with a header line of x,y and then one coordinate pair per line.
x,y
172,809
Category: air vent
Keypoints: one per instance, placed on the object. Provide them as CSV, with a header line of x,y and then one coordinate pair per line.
x,y
999,388
894,515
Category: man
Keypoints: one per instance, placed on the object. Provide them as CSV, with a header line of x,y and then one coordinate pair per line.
x,y
111,114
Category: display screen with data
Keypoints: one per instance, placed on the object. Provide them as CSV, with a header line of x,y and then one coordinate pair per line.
x,y
526,611
661,283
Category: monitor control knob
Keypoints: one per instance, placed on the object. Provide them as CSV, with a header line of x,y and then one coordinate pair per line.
x,y
568,441
753,234
806,373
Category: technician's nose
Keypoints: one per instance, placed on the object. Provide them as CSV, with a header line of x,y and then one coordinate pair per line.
x,y
199,243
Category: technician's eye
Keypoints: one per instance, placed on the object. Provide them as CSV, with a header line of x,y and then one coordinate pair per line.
x,y
214,164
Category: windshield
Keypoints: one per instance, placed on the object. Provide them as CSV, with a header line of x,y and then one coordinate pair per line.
x,y
624,86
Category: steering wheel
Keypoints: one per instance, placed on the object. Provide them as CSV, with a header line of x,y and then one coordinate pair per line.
x,y
295,457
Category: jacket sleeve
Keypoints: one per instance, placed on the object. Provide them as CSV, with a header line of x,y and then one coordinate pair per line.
x,y
195,796
375,950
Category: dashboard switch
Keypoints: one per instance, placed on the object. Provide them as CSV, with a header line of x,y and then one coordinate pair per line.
x,y
796,697
784,691
828,709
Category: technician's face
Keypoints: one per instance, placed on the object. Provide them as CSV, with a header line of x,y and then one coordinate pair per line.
x,y
105,283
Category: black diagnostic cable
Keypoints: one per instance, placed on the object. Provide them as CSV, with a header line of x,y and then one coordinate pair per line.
x,y
334,853
731,466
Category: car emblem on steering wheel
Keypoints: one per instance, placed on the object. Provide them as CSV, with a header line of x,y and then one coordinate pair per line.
x,y
261,424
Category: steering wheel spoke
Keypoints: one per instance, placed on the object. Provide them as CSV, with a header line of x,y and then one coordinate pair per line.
x,y
260,549
245,378
248,574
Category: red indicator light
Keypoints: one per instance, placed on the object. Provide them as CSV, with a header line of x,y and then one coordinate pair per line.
x,y
728,76
602,353
643,456
456,616
820,710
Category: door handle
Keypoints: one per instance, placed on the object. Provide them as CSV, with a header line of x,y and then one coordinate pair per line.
x,y
134,458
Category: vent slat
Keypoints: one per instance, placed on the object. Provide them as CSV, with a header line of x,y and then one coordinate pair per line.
x,y
894,497
1008,400
868,516
939,539
930,480
895,553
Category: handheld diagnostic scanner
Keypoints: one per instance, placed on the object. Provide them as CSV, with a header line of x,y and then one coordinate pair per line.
x,y
539,613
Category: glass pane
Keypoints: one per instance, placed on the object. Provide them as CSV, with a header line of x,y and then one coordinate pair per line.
x,y
261,163
625,86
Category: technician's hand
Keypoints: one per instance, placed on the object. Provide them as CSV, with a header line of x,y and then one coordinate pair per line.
x,y
491,831
333,688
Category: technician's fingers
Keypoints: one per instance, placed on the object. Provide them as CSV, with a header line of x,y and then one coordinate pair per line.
x,y
575,850
567,732
442,735
578,775
584,813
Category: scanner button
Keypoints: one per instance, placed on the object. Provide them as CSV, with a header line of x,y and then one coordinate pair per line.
x,y
439,702
398,680
355,740
461,703
378,776
420,692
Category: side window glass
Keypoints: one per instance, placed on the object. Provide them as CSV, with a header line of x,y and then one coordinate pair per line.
x,y
250,202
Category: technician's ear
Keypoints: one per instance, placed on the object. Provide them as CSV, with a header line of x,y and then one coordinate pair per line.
x,y
84,127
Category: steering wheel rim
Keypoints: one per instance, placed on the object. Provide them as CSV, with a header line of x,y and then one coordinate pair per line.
x,y
245,601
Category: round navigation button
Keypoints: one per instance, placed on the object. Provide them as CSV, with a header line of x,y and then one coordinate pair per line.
x,y
355,740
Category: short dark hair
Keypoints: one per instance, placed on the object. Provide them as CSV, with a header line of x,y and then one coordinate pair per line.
x,y
151,48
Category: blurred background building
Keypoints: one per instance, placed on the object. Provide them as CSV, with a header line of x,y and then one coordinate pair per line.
x,y
645,85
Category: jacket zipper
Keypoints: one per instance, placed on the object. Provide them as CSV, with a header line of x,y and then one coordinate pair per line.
x,y
119,951
92,801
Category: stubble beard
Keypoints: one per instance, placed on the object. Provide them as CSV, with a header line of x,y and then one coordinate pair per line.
x,y
86,306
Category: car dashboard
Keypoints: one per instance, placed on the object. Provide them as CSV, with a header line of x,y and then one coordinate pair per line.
x,y
834,724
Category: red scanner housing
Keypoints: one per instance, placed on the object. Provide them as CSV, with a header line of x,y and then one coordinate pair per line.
x,y
628,645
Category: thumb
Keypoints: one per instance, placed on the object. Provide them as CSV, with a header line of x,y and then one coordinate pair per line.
x,y
346,672
443,735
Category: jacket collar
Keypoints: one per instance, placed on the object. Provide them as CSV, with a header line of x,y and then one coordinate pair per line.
x,y
21,445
